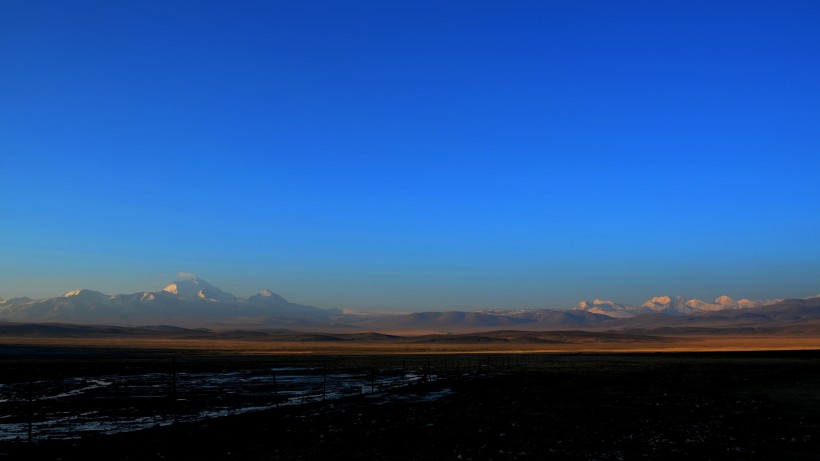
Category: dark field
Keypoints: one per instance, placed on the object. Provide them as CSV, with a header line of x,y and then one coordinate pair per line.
x,y
750,405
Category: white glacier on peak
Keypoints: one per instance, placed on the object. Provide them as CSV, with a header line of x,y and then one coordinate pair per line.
x,y
678,305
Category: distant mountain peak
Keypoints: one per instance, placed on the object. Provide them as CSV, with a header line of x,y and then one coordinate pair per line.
x,y
658,303
186,288
659,300
195,287
84,293
605,307
188,299
267,296
695,303
599,302
677,305
19,300
595,302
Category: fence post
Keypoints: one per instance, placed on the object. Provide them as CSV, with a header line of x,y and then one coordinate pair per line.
x,y
30,408
174,377
275,390
174,388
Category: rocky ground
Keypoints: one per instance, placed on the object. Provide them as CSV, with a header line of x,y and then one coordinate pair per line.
x,y
604,407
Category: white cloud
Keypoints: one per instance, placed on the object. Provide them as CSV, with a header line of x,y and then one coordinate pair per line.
x,y
186,274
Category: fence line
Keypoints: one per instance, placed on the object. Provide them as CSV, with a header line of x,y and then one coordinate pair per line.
x,y
55,403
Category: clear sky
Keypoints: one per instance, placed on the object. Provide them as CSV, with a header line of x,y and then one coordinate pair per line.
x,y
412,155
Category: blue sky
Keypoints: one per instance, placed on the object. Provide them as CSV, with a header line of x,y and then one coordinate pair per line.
x,y
412,155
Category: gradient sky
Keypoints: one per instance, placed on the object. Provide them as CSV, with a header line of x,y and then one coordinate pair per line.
x,y
411,155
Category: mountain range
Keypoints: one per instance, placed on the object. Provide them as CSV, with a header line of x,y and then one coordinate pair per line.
x,y
195,302
189,301
668,305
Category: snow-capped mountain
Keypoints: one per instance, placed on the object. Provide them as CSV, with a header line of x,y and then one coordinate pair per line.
x,y
195,302
610,308
668,305
196,288
268,297
182,301
14,301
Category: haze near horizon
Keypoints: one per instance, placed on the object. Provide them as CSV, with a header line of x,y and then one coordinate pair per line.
x,y
412,156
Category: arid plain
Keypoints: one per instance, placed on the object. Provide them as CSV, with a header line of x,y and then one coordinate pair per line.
x,y
252,400
478,343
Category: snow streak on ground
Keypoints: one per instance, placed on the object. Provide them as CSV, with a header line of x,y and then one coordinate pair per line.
x,y
69,408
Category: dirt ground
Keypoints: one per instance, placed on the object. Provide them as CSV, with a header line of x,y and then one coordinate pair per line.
x,y
571,344
751,405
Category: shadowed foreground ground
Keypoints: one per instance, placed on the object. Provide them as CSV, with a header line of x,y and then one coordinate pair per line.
x,y
639,406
